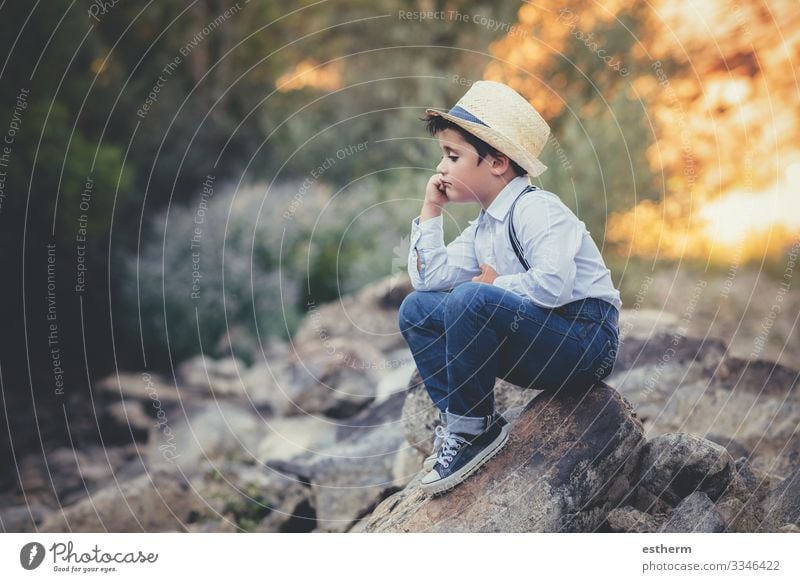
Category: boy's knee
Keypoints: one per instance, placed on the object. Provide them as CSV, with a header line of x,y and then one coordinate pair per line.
x,y
466,294
409,313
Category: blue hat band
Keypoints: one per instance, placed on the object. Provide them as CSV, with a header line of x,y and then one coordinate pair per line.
x,y
462,113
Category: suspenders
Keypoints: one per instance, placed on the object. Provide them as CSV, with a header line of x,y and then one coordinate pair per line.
x,y
512,234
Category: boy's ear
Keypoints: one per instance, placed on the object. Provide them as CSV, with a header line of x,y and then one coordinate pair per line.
x,y
499,163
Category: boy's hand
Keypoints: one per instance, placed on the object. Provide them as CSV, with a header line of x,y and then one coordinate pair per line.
x,y
435,191
488,275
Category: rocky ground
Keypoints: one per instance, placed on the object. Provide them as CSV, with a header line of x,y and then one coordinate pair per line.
x,y
328,433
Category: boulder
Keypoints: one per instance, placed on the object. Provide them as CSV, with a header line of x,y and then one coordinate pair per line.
x,y
691,385
215,430
22,518
782,504
567,464
249,498
694,514
66,475
368,316
368,461
156,502
630,520
673,466
289,437
213,378
338,379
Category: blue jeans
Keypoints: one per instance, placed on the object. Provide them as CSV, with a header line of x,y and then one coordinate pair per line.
x,y
463,339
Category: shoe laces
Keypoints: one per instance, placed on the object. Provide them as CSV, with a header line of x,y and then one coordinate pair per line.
x,y
450,446
440,434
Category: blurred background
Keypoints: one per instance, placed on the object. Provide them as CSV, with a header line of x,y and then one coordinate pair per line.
x,y
194,176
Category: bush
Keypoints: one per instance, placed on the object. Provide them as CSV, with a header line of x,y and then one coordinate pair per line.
x,y
259,256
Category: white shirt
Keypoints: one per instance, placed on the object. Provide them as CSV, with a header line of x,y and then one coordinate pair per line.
x,y
566,264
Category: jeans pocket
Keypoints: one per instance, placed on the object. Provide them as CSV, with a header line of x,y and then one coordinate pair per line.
x,y
599,357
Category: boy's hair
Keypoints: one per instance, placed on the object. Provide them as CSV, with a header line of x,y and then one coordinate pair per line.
x,y
434,124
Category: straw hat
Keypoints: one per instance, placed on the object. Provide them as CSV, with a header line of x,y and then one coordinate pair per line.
x,y
504,119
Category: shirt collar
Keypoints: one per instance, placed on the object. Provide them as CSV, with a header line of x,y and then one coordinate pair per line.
x,y
500,205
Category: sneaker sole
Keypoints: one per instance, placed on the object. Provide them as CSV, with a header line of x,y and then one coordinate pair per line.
x,y
448,483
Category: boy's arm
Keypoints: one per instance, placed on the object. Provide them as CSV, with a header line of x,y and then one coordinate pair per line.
x,y
434,267
550,240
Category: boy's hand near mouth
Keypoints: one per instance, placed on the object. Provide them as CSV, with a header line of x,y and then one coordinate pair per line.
x,y
435,192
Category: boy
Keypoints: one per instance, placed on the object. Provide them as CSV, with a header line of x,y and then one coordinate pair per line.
x,y
522,293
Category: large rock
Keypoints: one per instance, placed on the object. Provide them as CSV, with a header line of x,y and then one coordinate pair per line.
x,y
694,514
567,464
630,520
156,502
292,436
368,316
66,475
673,466
215,430
337,379
369,460
220,378
690,385
782,504
243,497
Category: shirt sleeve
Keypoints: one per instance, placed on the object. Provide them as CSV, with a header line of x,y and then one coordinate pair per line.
x,y
550,239
441,267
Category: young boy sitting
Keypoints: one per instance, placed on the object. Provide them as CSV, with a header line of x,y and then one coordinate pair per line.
x,y
522,293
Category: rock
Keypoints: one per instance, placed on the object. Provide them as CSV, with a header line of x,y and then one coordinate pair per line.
x,y
691,385
143,387
663,364
782,504
127,417
221,430
739,517
212,378
644,323
22,518
778,459
735,448
740,503
296,435
789,528
400,366
673,466
156,502
566,465
649,372
367,317
420,416
243,497
694,514
269,384
349,478
67,475
630,520
337,380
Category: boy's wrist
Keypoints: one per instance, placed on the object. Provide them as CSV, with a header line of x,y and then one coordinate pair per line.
x,y
430,210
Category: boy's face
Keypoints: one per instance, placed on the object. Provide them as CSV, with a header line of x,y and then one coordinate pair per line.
x,y
464,179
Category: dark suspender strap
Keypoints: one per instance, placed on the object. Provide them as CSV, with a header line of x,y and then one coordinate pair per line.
x,y
512,233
